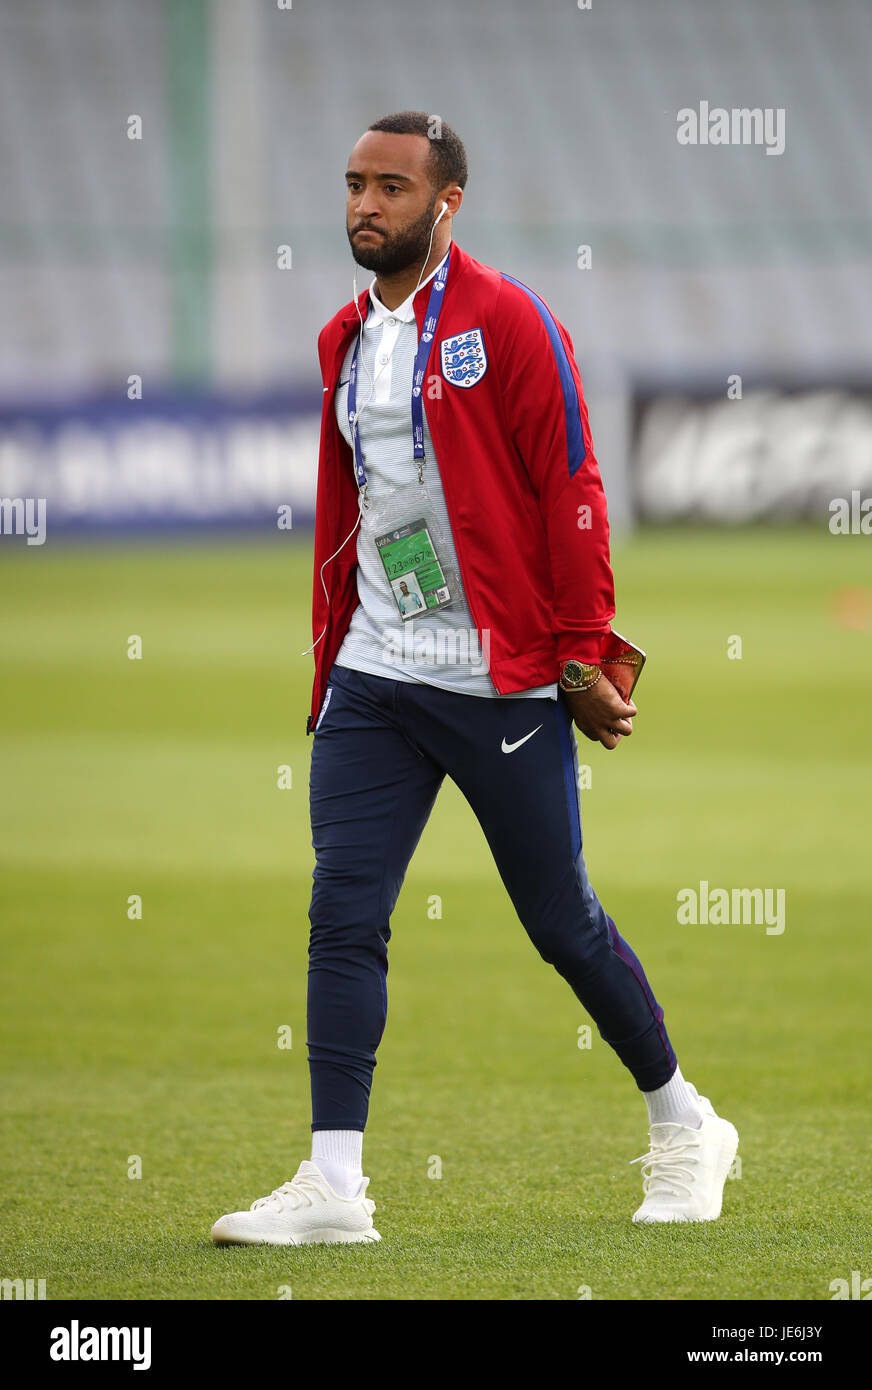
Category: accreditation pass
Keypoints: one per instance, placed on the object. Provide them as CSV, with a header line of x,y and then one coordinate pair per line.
x,y
416,577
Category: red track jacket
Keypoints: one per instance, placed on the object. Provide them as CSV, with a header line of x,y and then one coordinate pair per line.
x,y
521,484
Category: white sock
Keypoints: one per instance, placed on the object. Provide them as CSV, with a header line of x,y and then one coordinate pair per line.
x,y
339,1155
675,1103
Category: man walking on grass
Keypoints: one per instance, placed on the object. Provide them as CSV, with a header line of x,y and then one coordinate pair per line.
x,y
456,458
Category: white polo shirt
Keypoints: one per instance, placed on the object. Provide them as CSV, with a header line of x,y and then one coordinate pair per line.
x,y
440,647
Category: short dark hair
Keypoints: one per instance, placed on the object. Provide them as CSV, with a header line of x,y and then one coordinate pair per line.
x,y
447,155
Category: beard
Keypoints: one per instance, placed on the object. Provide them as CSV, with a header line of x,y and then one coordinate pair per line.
x,y
393,252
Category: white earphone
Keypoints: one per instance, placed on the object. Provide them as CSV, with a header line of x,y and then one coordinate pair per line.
x,y
442,212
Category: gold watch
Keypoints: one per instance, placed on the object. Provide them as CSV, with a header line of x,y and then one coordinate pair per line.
x,y
578,676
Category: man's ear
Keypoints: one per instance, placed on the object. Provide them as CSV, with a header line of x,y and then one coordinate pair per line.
x,y
452,194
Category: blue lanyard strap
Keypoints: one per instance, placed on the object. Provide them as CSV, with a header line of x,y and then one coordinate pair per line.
x,y
431,319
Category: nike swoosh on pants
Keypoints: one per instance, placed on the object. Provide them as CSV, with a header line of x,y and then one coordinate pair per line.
x,y
510,747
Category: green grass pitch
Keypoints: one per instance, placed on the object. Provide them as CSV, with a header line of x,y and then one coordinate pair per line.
x,y
158,1037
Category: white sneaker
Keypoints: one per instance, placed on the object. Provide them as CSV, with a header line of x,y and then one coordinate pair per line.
x,y
685,1169
304,1211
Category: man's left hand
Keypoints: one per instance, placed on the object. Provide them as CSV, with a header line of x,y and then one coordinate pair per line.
x,y
600,713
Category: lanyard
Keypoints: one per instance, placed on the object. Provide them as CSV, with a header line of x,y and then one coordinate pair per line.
x,y
434,309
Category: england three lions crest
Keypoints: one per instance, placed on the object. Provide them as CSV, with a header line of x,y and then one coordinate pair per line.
x,y
464,360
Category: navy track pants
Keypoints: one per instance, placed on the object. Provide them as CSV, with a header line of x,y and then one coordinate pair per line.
x,y
380,751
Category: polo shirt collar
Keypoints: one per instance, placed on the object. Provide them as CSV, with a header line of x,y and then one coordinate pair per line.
x,y
405,312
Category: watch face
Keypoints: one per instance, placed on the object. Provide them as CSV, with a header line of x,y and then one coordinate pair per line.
x,y
573,673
